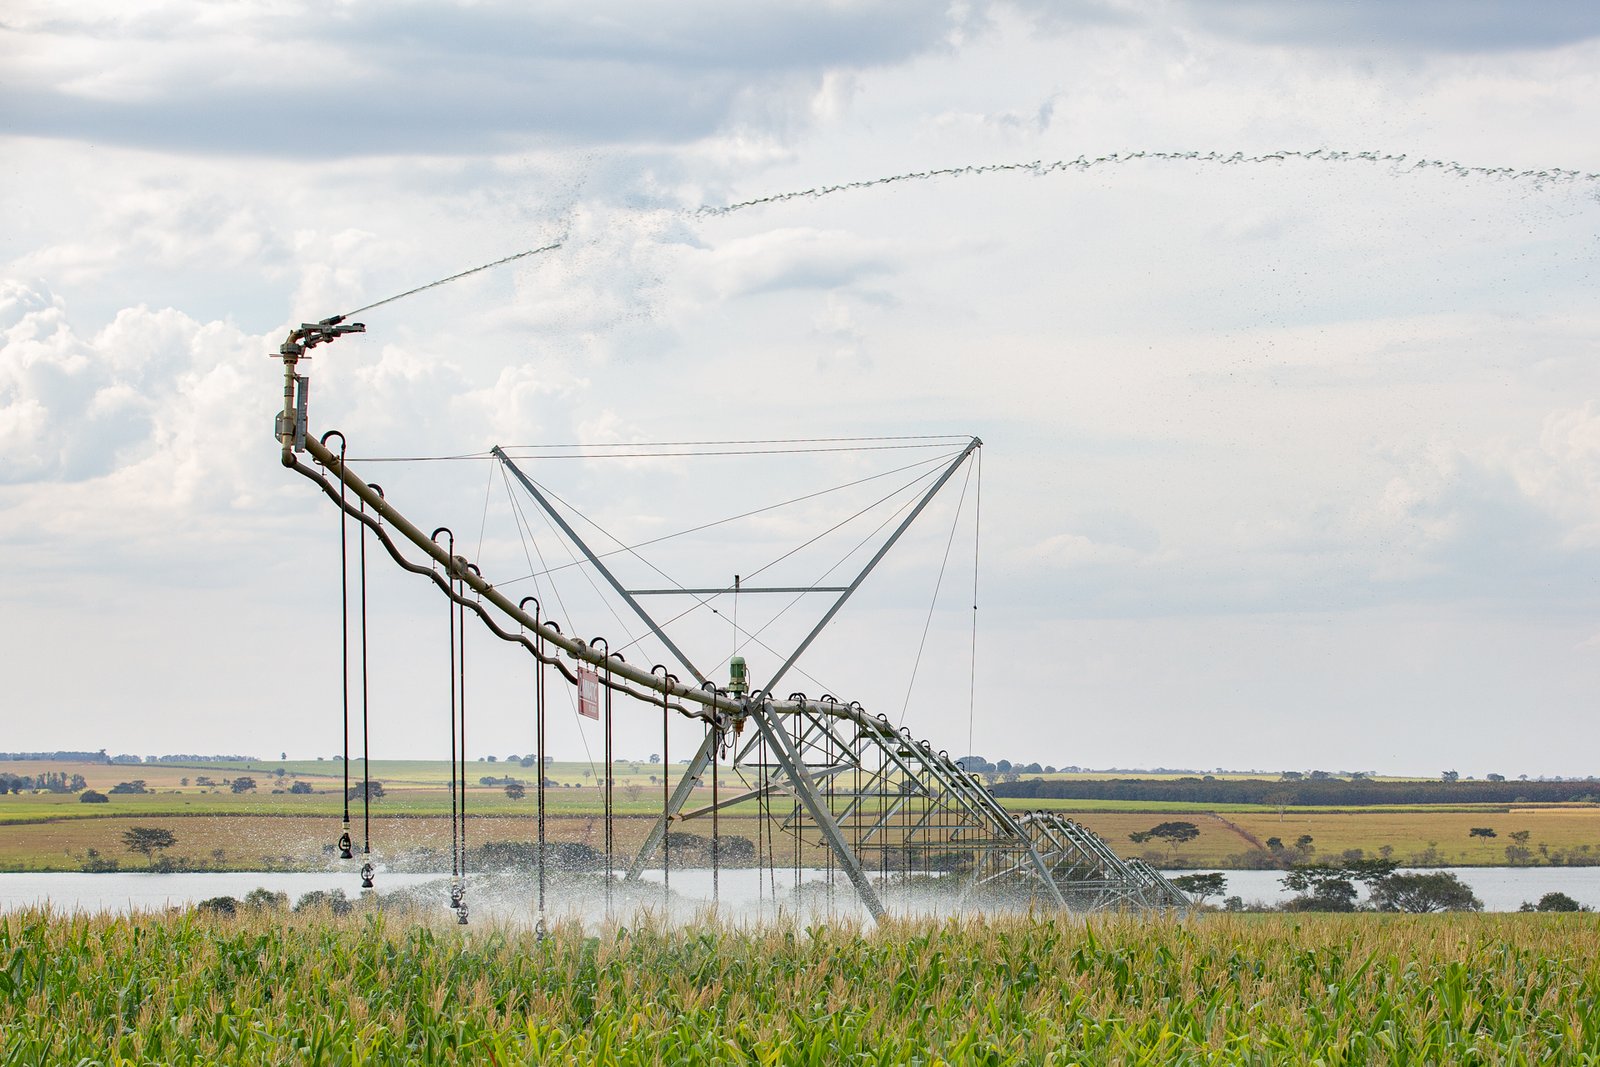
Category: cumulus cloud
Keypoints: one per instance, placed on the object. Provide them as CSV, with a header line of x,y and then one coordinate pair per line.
x,y
1426,25
110,435
369,77
70,408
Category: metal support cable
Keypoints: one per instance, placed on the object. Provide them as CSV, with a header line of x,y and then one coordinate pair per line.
x,y
735,518
972,670
933,601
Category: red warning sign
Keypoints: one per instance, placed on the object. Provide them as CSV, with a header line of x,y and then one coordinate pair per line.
x,y
588,693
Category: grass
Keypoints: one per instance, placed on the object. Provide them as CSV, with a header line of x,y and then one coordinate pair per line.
x,y
271,988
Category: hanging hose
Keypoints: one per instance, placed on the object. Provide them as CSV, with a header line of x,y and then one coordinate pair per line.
x,y
608,810
344,639
538,755
666,796
461,661
450,605
715,724
366,752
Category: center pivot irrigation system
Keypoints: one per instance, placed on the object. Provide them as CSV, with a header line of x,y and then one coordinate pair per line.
x,y
834,787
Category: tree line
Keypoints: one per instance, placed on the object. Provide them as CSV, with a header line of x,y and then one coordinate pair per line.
x,y
100,756
46,781
1309,791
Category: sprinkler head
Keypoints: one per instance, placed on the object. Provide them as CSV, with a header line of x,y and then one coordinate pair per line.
x,y
344,846
461,915
366,876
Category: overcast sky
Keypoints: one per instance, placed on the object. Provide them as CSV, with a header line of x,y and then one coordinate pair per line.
x,y
1288,463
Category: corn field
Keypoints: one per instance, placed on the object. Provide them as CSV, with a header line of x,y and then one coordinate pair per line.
x,y
272,987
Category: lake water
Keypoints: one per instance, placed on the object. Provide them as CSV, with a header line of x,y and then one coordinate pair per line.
x,y
740,891
1500,888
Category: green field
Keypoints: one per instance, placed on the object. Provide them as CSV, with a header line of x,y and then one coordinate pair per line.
x,y
271,987
271,827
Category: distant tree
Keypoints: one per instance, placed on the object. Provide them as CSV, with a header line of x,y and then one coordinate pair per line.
x,y
1481,831
243,784
1450,776
374,791
655,757
516,790
1048,769
300,788
183,782
1201,886
1002,765
1291,776
1553,902
135,786
1304,843
1424,891
527,761
1175,833
89,796
266,900
1275,844
491,759
334,901
148,840
1331,887
1495,777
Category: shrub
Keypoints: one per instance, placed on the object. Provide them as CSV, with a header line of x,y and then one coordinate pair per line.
x,y
1556,901
89,796
335,901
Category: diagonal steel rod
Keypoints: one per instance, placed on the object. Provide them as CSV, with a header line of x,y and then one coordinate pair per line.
x,y
974,445
605,572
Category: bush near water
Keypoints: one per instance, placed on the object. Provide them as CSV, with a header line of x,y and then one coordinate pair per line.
x,y
267,987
